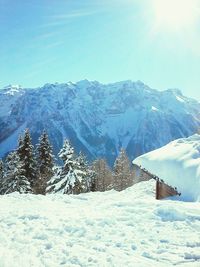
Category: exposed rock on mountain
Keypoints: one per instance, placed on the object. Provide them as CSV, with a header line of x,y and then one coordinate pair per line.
x,y
98,119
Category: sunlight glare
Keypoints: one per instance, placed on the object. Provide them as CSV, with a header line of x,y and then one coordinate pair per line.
x,y
175,15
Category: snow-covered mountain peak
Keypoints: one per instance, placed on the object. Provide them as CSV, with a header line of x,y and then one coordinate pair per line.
x,y
12,86
98,118
175,91
84,83
11,89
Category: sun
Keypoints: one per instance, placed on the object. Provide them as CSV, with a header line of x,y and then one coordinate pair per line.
x,y
174,15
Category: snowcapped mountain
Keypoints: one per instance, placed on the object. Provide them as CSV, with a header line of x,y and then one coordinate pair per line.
x,y
178,164
98,118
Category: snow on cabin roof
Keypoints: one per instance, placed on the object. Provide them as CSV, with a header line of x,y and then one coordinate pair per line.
x,y
178,164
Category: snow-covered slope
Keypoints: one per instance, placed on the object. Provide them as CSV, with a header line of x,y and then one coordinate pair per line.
x,y
110,229
178,164
98,118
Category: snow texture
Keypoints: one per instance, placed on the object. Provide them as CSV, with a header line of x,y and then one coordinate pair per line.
x,y
178,164
110,229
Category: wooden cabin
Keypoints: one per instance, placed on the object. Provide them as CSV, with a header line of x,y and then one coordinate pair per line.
x,y
162,190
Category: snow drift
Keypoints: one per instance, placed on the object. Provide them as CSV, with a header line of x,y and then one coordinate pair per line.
x,y
178,164
110,229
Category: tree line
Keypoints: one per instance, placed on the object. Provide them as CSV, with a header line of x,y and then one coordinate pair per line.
x,y
30,169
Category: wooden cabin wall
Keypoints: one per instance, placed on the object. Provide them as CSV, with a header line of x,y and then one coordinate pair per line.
x,y
162,190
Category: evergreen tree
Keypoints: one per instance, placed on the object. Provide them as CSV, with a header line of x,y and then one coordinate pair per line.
x,y
26,156
122,172
45,162
1,170
81,173
64,180
71,178
102,176
1,174
15,179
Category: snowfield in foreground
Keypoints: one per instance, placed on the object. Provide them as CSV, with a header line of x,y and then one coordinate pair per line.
x,y
122,229
178,164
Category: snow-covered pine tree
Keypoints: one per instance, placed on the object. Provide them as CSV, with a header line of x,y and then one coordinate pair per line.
x,y
102,177
122,172
1,170
26,156
63,181
1,174
14,178
45,163
81,173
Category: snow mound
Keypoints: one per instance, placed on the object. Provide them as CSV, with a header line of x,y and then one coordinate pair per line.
x,y
128,228
178,164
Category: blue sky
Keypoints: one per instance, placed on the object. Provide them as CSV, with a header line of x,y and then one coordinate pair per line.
x,y
106,40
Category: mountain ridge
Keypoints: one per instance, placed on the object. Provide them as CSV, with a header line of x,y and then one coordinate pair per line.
x,y
98,118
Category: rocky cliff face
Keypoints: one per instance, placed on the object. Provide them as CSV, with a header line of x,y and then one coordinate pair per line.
x,y
98,119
